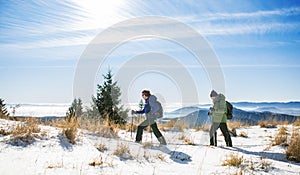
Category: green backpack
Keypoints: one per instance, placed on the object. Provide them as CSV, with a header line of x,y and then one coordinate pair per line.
x,y
229,110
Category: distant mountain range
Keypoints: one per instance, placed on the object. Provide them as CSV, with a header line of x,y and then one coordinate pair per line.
x,y
291,108
244,112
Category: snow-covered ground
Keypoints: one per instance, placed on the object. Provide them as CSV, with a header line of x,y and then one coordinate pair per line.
x,y
53,154
38,110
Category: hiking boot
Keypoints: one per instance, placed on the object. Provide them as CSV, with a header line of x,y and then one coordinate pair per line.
x,y
162,140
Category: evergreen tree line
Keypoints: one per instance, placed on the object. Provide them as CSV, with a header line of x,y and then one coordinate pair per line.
x,y
106,104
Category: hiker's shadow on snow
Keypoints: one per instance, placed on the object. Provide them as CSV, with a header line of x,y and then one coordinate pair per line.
x,y
176,156
265,155
65,143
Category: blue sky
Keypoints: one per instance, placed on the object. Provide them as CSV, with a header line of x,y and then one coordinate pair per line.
x,y
257,44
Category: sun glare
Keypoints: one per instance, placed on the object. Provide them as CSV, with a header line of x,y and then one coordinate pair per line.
x,y
100,14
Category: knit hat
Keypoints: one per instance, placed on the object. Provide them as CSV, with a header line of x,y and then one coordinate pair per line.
x,y
213,93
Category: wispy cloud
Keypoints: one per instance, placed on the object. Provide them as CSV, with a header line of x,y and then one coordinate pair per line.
x,y
262,66
293,11
248,28
77,23
285,12
257,22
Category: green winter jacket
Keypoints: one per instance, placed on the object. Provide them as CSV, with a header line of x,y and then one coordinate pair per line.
x,y
219,112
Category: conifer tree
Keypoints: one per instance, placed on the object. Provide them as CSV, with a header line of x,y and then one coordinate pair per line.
x,y
3,110
76,108
108,101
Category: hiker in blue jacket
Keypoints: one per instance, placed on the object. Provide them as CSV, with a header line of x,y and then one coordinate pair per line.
x,y
153,110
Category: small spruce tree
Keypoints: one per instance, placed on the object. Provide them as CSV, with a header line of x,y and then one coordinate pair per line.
x,y
141,104
108,101
3,110
75,110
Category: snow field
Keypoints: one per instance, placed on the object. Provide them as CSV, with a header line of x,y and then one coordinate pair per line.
x,y
53,154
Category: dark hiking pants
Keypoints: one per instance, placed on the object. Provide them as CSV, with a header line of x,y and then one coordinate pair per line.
x,y
143,125
213,134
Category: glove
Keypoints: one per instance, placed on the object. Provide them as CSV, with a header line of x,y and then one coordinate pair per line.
x,y
133,112
211,109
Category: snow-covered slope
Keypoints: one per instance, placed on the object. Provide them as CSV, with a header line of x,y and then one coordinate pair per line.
x,y
53,154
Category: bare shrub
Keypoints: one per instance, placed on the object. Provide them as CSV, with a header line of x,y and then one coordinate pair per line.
x,y
293,150
233,160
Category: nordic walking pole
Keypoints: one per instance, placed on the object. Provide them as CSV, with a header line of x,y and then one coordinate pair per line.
x,y
150,132
131,125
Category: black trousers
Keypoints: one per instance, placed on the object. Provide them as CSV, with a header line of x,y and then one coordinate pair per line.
x,y
213,134
143,125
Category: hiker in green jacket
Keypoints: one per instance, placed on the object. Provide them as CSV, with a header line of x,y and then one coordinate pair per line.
x,y
219,119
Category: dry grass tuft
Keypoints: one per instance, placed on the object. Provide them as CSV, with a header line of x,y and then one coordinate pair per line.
x,y
268,124
243,134
272,123
101,147
160,157
232,131
131,127
147,144
233,160
236,124
170,125
2,116
202,128
106,129
96,162
293,150
296,123
70,130
25,132
189,142
54,166
281,137
4,132
186,140
123,151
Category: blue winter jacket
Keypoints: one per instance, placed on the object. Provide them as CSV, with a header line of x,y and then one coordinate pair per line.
x,y
152,108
